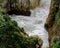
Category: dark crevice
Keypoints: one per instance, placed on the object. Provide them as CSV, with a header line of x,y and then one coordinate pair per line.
x,y
24,13
46,26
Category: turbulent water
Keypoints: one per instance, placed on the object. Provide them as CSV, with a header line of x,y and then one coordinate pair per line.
x,y
34,25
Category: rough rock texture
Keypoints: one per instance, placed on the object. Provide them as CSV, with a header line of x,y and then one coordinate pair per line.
x,y
19,7
52,24
3,3
34,3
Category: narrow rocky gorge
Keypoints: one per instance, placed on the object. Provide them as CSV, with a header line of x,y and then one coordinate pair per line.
x,y
34,25
31,15
29,23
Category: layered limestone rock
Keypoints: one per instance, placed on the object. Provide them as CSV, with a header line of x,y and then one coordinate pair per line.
x,y
52,21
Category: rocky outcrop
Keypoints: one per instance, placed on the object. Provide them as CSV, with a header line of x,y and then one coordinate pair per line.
x,y
52,20
3,3
34,3
22,6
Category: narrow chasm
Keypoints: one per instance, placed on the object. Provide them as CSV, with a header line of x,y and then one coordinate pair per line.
x,y
19,12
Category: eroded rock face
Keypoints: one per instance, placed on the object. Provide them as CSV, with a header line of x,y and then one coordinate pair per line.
x,y
22,7
25,4
40,41
51,25
3,3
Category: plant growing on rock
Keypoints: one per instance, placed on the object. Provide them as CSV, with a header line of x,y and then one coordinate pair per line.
x,y
12,36
56,43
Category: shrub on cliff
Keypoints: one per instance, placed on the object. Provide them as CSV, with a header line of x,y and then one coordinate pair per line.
x,y
56,43
57,23
12,36
57,18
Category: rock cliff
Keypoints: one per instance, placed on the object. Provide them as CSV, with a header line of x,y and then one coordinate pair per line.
x,y
52,24
20,5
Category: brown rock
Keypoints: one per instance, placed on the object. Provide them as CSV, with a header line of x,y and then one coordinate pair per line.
x,y
50,22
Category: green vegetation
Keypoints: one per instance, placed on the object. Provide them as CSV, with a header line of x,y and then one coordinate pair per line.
x,y
56,44
12,36
57,23
57,18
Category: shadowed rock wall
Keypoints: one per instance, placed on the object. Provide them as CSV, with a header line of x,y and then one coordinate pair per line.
x,y
19,6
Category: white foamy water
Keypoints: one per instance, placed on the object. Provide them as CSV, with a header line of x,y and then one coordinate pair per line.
x,y
34,25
